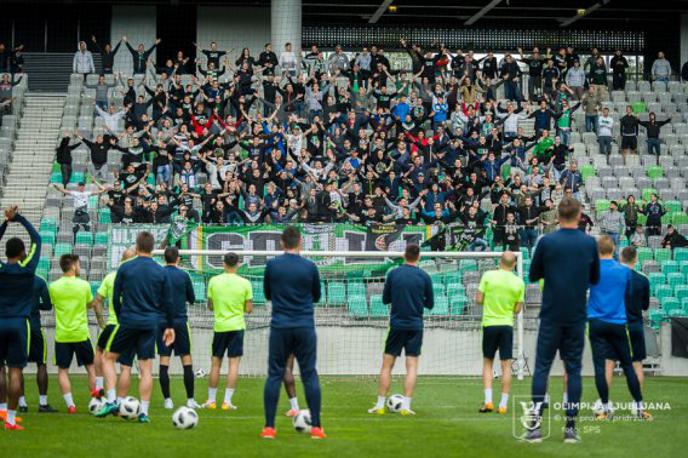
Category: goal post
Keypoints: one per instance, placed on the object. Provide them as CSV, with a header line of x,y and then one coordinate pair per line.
x,y
351,319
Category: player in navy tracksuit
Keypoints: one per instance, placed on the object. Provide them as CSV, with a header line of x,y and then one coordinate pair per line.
x,y
182,293
568,262
607,326
141,294
292,283
638,301
409,290
16,302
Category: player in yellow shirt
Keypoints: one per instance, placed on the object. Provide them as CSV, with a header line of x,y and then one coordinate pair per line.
x,y
229,297
104,294
501,294
71,297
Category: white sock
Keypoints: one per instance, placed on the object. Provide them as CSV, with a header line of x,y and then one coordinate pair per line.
x,y
112,396
68,399
504,400
406,404
99,383
638,406
22,401
294,403
488,395
212,394
43,399
565,398
11,415
119,399
380,402
3,406
228,395
144,407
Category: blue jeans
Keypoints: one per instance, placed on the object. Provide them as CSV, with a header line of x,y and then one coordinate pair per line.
x,y
662,78
591,123
478,245
653,146
616,238
163,174
528,237
511,91
605,145
565,135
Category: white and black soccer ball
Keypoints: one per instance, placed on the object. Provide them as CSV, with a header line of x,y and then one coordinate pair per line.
x,y
185,418
302,421
94,405
129,408
200,373
394,403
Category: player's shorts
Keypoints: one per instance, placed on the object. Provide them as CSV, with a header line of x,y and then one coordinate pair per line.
x,y
14,341
230,342
65,352
402,339
498,338
129,341
182,341
126,359
636,340
629,142
38,348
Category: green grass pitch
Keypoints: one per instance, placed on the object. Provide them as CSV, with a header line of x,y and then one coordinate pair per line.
x,y
447,424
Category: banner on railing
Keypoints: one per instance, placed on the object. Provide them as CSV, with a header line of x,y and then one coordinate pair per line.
x,y
315,237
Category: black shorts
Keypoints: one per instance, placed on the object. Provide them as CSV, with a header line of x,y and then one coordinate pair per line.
x,y
65,351
182,341
628,142
130,341
38,349
126,359
498,338
14,341
230,342
401,339
637,337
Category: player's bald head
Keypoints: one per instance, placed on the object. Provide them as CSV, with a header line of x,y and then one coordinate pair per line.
x,y
128,253
508,260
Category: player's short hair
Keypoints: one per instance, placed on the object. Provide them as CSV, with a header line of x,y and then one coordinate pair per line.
x,y
629,254
231,259
171,254
569,209
145,242
605,245
290,238
14,247
67,261
412,252
508,259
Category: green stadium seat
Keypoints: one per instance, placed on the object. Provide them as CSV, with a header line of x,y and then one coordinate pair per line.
x,y
673,206
642,219
662,292
452,278
468,265
94,287
671,306
102,238
679,218
55,178
93,202
356,288
647,193
601,205
674,279
455,289
438,288
441,306
457,304
656,317
48,224
62,248
48,237
85,238
680,254
662,254
525,253
683,265
336,293
44,263
377,308
77,177
655,172
681,292
56,168
669,267
656,279
358,306
104,216
199,288
666,218
684,306
587,171
644,254
258,293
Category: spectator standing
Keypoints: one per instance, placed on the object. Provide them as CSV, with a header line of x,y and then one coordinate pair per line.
x,y
654,212
288,62
102,89
535,65
107,55
83,61
605,128
613,224
575,79
64,158
653,127
571,179
684,72
591,105
619,64
598,79
140,55
661,68
6,85
629,131
630,211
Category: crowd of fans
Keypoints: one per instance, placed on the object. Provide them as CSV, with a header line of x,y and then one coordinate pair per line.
x,y
286,138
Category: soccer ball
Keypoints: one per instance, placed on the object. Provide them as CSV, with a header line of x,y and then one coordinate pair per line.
x,y
94,405
185,418
200,373
129,408
302,421
394,403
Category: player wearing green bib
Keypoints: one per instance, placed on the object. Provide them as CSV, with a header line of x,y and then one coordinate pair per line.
x,y
501,294
71,298
103,295
229,297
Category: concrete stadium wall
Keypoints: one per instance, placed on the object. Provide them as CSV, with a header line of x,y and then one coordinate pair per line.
x,y
233,27
138,23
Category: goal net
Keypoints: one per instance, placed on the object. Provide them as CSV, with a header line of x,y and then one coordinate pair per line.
x,y
352,322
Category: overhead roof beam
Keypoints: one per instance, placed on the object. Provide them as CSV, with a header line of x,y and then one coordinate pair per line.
x,y
380,11
592,9
482,12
